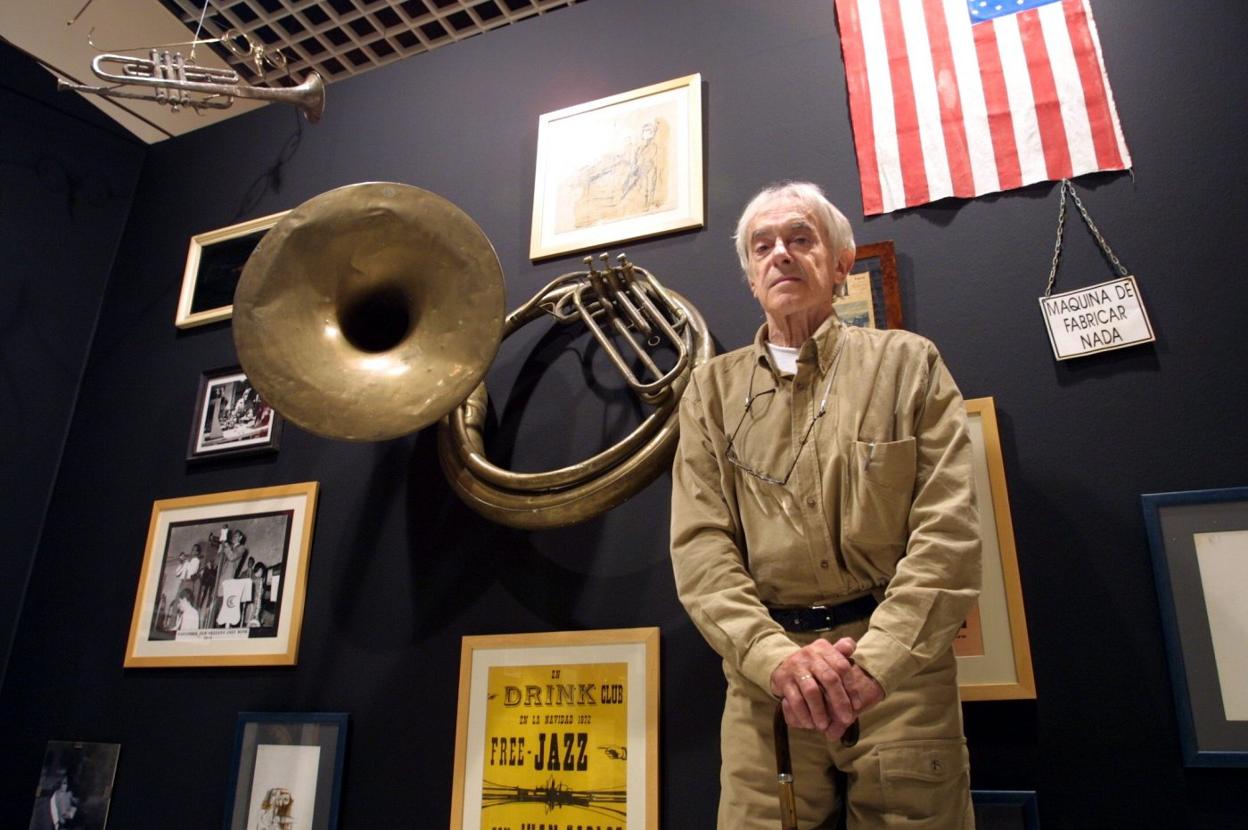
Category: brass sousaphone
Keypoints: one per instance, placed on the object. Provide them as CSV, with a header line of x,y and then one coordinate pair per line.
x,y
374,310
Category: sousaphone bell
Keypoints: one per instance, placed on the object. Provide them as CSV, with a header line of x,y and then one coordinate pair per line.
x,y
374,310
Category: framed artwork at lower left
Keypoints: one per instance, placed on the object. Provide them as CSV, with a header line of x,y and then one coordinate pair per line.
x,y
287,772
223,579
75,786
230,418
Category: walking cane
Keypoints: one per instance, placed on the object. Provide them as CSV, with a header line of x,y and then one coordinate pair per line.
x,y
784,766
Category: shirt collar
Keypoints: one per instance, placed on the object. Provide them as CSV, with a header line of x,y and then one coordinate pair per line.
x,y
822,343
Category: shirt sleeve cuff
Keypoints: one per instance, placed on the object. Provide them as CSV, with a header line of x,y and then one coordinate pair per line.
x,y
885,659
763,658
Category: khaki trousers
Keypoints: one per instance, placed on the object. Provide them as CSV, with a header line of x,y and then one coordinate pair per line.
x,y
909,768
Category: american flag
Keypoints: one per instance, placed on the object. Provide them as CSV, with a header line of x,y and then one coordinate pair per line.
x,y
966,97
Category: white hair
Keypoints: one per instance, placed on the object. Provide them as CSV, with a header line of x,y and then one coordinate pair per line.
x,y
830,221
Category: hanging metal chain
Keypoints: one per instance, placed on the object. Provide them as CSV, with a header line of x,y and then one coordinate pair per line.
x,y
1061,226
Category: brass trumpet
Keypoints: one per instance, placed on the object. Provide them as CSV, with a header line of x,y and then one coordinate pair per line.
x,y
174,78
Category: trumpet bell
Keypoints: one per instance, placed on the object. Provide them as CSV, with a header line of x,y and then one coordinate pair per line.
x,y
369,311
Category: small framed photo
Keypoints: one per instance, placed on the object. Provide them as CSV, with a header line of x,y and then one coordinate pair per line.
x,y
1005,810
619,168
75,786
223,579
287,772
874,299
230,418
993,650
1199,545
214,264
558,729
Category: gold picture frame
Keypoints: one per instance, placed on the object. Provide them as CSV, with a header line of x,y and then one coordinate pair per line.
x,y
214,263
558,728
993,649
223,579
619,168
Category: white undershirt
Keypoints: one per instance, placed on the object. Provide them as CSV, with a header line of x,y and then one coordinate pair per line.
x,y
785,358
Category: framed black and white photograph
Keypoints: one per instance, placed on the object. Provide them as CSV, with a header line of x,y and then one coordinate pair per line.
x,y
230,418
223,580
214,264
287,771
1199,545
75,786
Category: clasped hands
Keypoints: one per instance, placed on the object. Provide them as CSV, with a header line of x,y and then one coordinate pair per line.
x,y
821,688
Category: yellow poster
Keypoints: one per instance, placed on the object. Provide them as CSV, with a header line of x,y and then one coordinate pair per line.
x,y
555,747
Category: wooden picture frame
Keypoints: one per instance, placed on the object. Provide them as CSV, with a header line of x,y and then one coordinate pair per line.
x,y
619,168
214,264
199,602
1199,545
558,728
287,770
230,418
874,299
993,649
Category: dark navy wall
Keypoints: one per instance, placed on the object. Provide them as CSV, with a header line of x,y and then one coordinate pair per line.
x,y
66,181
400,571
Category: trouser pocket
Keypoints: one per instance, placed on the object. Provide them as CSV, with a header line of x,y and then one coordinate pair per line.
x,y
925,783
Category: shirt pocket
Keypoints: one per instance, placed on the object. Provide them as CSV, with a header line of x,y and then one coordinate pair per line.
x,y
881,490
921,780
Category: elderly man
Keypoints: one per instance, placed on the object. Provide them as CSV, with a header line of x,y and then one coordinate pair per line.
x,y
825,541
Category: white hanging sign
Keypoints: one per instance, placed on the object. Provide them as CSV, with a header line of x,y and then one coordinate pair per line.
x,y
1098,318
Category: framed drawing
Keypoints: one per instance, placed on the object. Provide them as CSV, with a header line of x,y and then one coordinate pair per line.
x,y
993,650
558,729
619,168
1199,544
1006,809
230,418
75,785
287,771
214,263
223,579
874,299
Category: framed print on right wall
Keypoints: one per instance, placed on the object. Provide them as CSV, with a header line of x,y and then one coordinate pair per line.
x,y
1199,545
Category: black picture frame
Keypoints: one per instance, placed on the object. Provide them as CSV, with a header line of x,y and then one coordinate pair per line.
x,y
1199,539
1005,809
75,785
284,762
230,418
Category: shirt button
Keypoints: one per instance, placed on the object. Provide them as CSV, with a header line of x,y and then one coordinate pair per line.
x,y
824,564
799,386
811,502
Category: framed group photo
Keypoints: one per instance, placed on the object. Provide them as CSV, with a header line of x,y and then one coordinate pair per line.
x,y
214,264
287,771
558,729
230,418
619,168
993,650
75,786
1199,545
223,579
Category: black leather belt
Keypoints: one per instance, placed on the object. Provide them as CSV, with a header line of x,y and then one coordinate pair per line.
x,y
810,618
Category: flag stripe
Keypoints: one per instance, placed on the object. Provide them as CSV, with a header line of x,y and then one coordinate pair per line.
x,y
952,119
1022,105
885,125
1044,93
971,89
860,105
997,102
909,144
1069,89
926,101
1101,117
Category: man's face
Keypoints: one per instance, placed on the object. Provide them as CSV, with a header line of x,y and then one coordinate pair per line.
x,y
791,268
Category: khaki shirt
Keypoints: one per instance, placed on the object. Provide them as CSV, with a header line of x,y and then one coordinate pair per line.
x,y
881,499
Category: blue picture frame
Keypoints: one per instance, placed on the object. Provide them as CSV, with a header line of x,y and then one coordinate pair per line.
x,y
285,762
1006,809
1175,522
